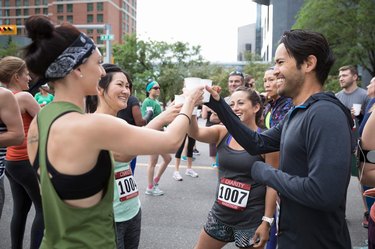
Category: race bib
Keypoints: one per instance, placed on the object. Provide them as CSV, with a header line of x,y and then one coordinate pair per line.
x,y
126,186
233,194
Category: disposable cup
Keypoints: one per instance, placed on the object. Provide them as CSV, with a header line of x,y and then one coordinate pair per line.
x,y
206,94
357,109
192,82
179,99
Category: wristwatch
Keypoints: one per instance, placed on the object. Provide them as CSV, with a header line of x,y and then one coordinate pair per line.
x,y
268,219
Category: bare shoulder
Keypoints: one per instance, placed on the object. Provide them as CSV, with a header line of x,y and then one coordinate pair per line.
x,y
5,95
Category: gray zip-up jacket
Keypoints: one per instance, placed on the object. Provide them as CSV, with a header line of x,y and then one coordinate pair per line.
x,y
315,147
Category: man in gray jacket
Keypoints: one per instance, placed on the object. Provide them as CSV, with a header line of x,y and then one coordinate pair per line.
x,y
314,141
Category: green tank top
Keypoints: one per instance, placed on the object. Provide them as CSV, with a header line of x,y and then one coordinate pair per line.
x,y
67,226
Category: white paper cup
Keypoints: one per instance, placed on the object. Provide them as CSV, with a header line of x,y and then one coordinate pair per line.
x,y
192,82
206,94
357,109
149,108
179,99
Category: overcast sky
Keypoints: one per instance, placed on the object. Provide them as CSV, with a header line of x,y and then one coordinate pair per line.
x,y
212,24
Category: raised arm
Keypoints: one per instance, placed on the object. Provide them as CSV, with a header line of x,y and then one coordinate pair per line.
x,y
212,134
251,141
10,116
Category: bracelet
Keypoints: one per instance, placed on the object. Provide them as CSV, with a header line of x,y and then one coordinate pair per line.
x,y
268,220
181,113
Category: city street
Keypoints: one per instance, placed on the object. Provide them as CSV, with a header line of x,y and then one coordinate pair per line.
x,y
173,221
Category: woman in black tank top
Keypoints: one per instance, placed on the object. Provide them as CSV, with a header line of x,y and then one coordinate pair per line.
x,y
243,208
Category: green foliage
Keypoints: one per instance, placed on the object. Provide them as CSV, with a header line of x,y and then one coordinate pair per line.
x,y
348,25
256,68
10,48
166,63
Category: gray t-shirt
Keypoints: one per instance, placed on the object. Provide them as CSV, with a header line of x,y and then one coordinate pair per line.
x,y
358,96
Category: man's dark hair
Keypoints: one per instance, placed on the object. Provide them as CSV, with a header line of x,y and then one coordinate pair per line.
x,y
301,43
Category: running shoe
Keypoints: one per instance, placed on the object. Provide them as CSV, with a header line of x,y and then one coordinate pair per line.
x,y
214,165
184,158
365,219
192,173
196,152
177,176
155,191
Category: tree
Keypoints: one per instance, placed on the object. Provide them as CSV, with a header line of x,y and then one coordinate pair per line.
x,y
9,48
348,26
155,60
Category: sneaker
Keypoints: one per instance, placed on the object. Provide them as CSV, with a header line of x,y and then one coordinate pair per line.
x,y
192,173
184,158
365,220
196,152
177,176
155,191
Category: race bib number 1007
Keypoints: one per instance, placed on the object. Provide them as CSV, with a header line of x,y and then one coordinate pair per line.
x,y
233,194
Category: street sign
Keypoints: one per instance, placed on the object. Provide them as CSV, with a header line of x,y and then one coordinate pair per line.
x,y
107,37
8,29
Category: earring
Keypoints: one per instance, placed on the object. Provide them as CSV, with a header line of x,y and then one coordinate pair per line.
x,y
81,76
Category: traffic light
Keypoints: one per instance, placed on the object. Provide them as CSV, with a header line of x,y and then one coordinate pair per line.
x,y
8,29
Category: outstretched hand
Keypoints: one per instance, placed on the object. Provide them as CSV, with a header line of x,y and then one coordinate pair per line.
x,y
214,91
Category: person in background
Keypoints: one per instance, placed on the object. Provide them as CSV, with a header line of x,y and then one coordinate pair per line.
x,y
249,81
314,169
235,79
132,114
151,104
11,132
189,154
113,90
236,214
22,179
43,97
71,150
350,95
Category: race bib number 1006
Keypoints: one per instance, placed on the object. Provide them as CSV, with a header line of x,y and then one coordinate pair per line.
x,y
233,194
126,186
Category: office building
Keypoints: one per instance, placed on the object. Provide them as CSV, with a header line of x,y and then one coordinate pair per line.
x,y
120,14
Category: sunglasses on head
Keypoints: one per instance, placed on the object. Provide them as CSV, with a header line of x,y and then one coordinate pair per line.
x,y
236,73
156,88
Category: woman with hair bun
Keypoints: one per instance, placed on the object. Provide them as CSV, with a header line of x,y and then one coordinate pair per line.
x,y
22,179
71,150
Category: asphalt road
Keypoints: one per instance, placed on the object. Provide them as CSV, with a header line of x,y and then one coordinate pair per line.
x,y
173,221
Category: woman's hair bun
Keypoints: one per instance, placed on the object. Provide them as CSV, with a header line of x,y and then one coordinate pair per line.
x,y
39,27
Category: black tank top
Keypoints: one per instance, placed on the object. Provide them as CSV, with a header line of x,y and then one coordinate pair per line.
x,y
72,187
236,165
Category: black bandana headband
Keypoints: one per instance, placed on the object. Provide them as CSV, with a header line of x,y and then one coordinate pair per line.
x,y
72,57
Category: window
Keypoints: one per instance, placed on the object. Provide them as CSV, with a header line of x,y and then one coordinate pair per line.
x,y
26,2
18,3
7,12
60,18
99,6
69,19
25,12
69,8
89,31
18,12
45,2
90,7
90,18
6,4
37,2
37,11
60,8
19,21
45,11
99,18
